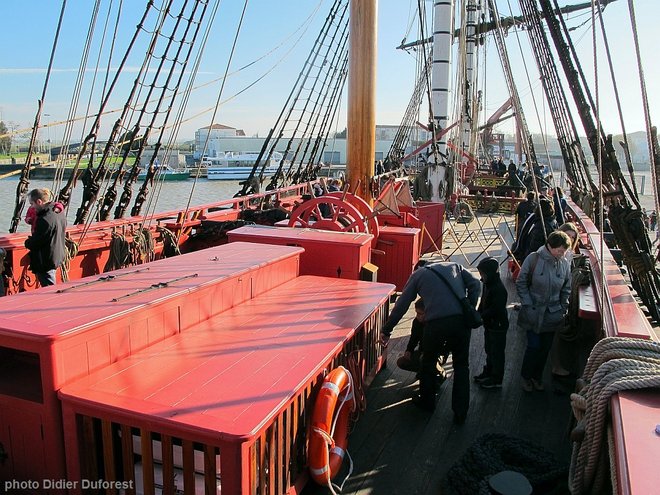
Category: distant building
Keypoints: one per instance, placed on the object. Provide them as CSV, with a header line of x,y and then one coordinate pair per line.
x,y
222,140
213,133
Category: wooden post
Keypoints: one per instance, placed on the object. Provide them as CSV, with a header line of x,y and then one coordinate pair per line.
x,y
361,145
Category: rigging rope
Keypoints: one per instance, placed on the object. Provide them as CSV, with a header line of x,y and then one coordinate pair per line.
x,y
75,98
615,364
528,145
645,103
312,69
22,187
65,193
615,87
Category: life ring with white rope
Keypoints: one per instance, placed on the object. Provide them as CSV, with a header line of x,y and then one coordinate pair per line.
x,y
329,427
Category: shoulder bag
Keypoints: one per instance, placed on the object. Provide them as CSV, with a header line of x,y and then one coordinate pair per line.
x,y
471,316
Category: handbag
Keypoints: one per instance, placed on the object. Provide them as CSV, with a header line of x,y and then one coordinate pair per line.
x,y
471,316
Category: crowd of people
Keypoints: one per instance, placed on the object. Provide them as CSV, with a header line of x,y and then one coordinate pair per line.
x,y
545,243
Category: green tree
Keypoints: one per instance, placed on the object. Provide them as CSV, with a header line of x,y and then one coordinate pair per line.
x,y
5,140
341,134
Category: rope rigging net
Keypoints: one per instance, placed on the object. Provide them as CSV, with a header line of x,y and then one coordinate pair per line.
x,y
305,120
619,199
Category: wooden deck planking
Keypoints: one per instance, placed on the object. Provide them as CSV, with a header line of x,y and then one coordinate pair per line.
x,y
399,449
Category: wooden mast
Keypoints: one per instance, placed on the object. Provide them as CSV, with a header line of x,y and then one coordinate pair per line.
x,y
361,126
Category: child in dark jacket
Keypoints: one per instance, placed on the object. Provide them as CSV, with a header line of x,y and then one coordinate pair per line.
x,y
496,322
410,360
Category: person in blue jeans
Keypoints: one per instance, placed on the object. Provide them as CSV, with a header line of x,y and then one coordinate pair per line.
x,y
544,288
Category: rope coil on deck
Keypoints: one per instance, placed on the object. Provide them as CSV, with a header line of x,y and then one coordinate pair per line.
x,y
70,252
496,452
120,253
615,364
170,242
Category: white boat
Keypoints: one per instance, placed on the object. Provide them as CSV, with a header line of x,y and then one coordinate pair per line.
x,y
237,166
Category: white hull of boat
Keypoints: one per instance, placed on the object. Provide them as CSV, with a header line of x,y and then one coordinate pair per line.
x,y
236,173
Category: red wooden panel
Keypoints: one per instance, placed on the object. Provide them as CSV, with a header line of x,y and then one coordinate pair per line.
x,y
431,215
62,313
401,248
20,434
120,342
327,254
139,334
236,372
636,441
98,352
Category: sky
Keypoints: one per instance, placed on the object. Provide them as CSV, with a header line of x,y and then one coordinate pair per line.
x,y
278,36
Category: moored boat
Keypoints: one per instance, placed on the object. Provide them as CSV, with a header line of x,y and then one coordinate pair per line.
x,y
168,174
238,166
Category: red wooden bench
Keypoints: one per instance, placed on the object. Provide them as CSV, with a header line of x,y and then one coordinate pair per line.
x,y
234,391
54,335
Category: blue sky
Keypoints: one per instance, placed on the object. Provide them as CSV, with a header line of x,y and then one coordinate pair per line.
x,y
29,28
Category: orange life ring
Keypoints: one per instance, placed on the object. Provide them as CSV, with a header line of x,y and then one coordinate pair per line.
x,y
327,447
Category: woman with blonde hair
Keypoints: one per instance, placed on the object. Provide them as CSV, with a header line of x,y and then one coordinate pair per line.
x,y
572,231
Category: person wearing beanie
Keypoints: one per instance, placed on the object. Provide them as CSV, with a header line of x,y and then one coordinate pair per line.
x,y
496,323
535,230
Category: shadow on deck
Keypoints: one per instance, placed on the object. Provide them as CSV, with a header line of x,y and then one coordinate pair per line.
x,y
399,449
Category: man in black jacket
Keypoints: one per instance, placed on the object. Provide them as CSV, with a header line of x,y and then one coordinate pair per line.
x,y
496,322
46,244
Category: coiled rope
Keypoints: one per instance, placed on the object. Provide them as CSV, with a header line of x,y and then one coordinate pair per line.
x,y
354,371
463,212
71,251
495,452
170,242
615,364
143,246
120,253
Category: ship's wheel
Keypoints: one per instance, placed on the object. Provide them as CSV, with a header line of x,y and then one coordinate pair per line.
x,y
331,212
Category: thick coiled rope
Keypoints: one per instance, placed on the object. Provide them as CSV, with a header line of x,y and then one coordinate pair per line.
x,y
495,452
70,252
170,243
143,246
615,364
463,212
120,253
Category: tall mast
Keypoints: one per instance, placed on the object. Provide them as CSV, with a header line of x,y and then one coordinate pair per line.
x,y
361,144
470,100
440,74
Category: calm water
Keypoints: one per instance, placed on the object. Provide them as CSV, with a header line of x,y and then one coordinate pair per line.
x,y
173,195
